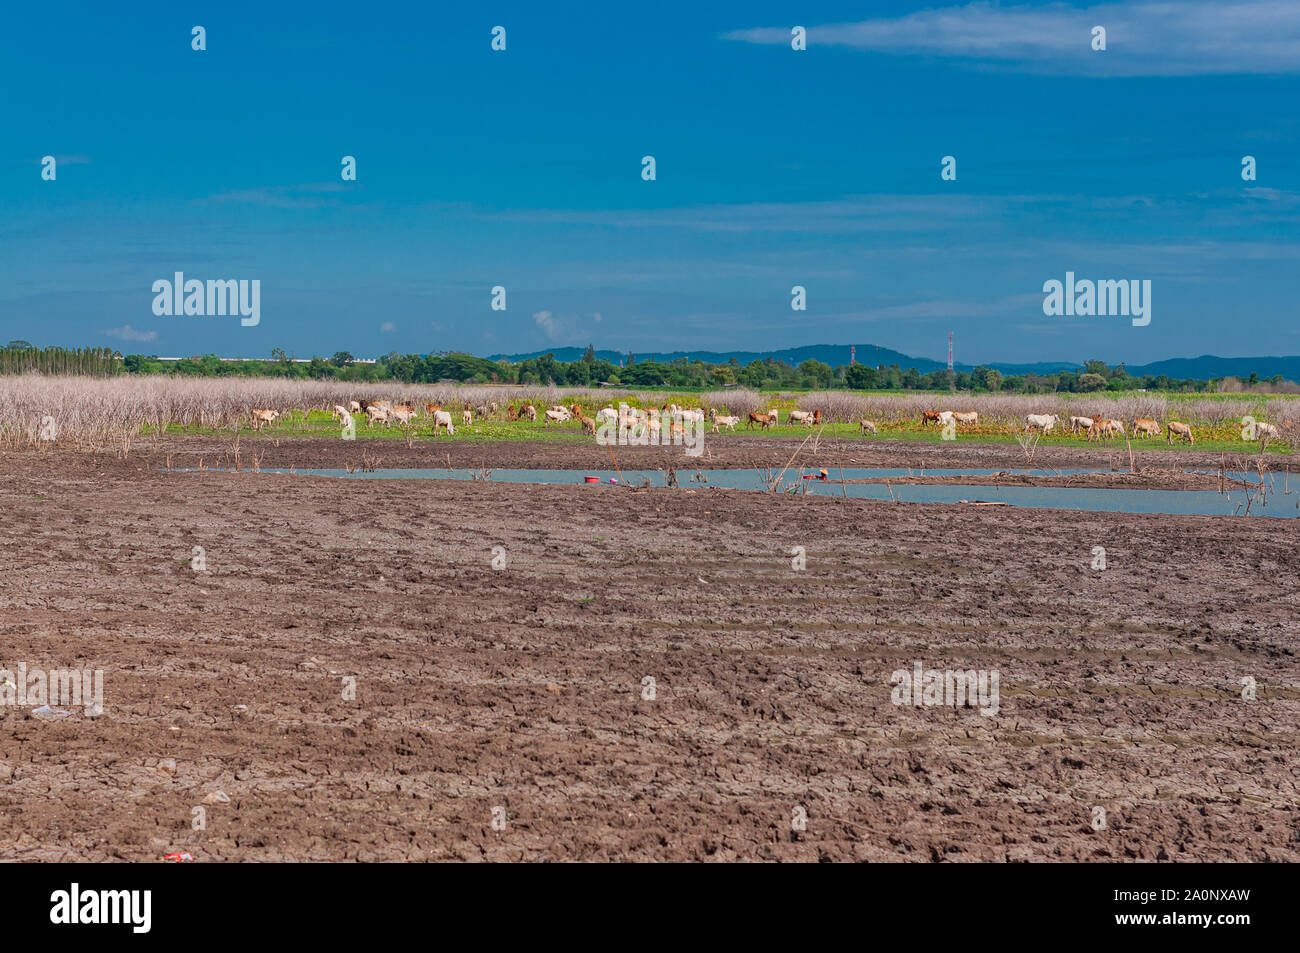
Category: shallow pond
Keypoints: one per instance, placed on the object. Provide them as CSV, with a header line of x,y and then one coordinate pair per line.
x,y
1094,499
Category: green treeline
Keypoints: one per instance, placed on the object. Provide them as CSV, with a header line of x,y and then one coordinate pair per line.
x,y
19,357
589,371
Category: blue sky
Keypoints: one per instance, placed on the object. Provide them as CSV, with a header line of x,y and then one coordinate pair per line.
x,y
775,168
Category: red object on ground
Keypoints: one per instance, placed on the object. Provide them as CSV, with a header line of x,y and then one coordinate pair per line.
x,y
592,479
183,857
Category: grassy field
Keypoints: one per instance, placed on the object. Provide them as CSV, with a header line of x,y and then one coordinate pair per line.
x,y
1225,437
110,413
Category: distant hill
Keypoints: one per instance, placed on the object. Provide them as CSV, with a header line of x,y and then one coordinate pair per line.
x,y
832,354
1198,368
1207,366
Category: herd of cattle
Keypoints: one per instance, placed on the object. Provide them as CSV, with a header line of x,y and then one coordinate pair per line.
x,y
1094,427
387,413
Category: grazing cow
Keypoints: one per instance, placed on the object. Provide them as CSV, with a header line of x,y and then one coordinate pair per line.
x,y
442,418
801,417
467,416
929,417
403,417
354,407
339,412
512,412
867,425
1106,427
588,425
405,408
607,413
765,420
559,415
1184,431
1043,422
1146,426
1263,430
376,414
530,412
946,418
970,417
1080,424
728,422
263,417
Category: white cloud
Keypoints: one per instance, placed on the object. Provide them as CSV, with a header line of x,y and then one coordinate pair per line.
x,y
128,333
1143,38
387,327
546,321
309,196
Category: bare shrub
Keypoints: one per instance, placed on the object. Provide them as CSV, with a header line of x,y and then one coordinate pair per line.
x,y
738,401
837,406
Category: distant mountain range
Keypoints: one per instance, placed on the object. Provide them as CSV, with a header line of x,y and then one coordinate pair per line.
x,y
1198,368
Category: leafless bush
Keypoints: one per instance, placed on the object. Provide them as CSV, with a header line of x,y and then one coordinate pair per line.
x,y
739,401
837,406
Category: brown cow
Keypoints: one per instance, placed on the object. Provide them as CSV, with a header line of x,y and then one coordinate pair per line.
x,y
1147,426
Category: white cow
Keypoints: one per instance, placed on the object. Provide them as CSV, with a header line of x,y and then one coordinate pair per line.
x,y
442,419
1043,422
1078,424
728,422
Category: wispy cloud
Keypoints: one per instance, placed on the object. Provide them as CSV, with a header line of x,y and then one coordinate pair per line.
x,y
563,329
546,321
1144,38
65,159
128,333
311,195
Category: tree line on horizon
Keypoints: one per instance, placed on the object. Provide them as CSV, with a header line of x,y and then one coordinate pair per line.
x,y
20,357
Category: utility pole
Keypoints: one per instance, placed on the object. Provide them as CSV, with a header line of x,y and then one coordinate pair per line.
x,y
952,378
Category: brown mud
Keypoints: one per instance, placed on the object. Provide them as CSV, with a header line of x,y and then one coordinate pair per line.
x,y
521,688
